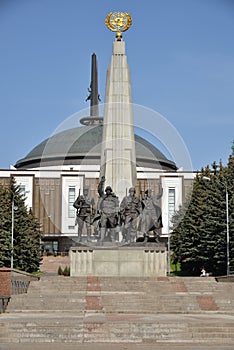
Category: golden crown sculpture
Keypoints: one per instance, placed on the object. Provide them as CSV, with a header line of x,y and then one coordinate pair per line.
x,y
118,22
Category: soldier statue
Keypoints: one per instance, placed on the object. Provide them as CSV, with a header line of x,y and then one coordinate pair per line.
x,y
85,207
108,208
151,219
130,209
101,187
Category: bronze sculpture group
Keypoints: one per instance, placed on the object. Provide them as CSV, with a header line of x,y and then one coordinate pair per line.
x,y
109,217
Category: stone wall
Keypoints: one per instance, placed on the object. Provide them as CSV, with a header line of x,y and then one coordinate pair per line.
x,y
13,281
5,281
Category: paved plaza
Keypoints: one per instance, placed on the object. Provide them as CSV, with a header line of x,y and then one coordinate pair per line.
x,y
111,346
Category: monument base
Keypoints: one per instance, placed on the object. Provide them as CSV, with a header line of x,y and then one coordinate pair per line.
x,y
149,260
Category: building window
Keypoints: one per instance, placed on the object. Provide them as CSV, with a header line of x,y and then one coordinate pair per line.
x,y
71,200
171,202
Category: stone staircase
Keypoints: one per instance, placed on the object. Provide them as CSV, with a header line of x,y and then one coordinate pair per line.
x,y
60,309
50,264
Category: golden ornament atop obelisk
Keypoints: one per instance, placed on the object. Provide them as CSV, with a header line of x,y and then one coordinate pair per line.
x,y
118,22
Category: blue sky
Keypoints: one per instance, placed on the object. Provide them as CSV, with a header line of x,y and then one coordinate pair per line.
x,y
180,53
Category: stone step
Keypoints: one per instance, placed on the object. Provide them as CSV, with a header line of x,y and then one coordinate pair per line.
x,y
82,310
116,328
123,294
51,263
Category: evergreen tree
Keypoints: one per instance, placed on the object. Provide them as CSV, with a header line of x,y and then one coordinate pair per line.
x,y
214,239
5,228
199,237
188,223
26,252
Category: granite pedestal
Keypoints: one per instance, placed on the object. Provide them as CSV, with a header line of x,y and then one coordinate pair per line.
x,y
148,260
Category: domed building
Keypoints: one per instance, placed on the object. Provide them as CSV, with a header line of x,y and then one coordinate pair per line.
x,y
82,145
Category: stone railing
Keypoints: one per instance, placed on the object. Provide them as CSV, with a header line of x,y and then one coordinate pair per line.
x,y
12,282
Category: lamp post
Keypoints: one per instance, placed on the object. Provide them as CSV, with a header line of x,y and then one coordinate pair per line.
x,y
169,253
227,227
13,208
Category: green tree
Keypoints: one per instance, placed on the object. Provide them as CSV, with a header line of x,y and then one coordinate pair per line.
x,y
5,228
199,236
188,223
26,253
214,239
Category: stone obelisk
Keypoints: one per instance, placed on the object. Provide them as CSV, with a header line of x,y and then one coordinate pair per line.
x,y
93,97
118,156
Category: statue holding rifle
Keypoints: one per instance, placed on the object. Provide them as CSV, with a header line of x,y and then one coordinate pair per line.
x,y
85,207
151,218
130,209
